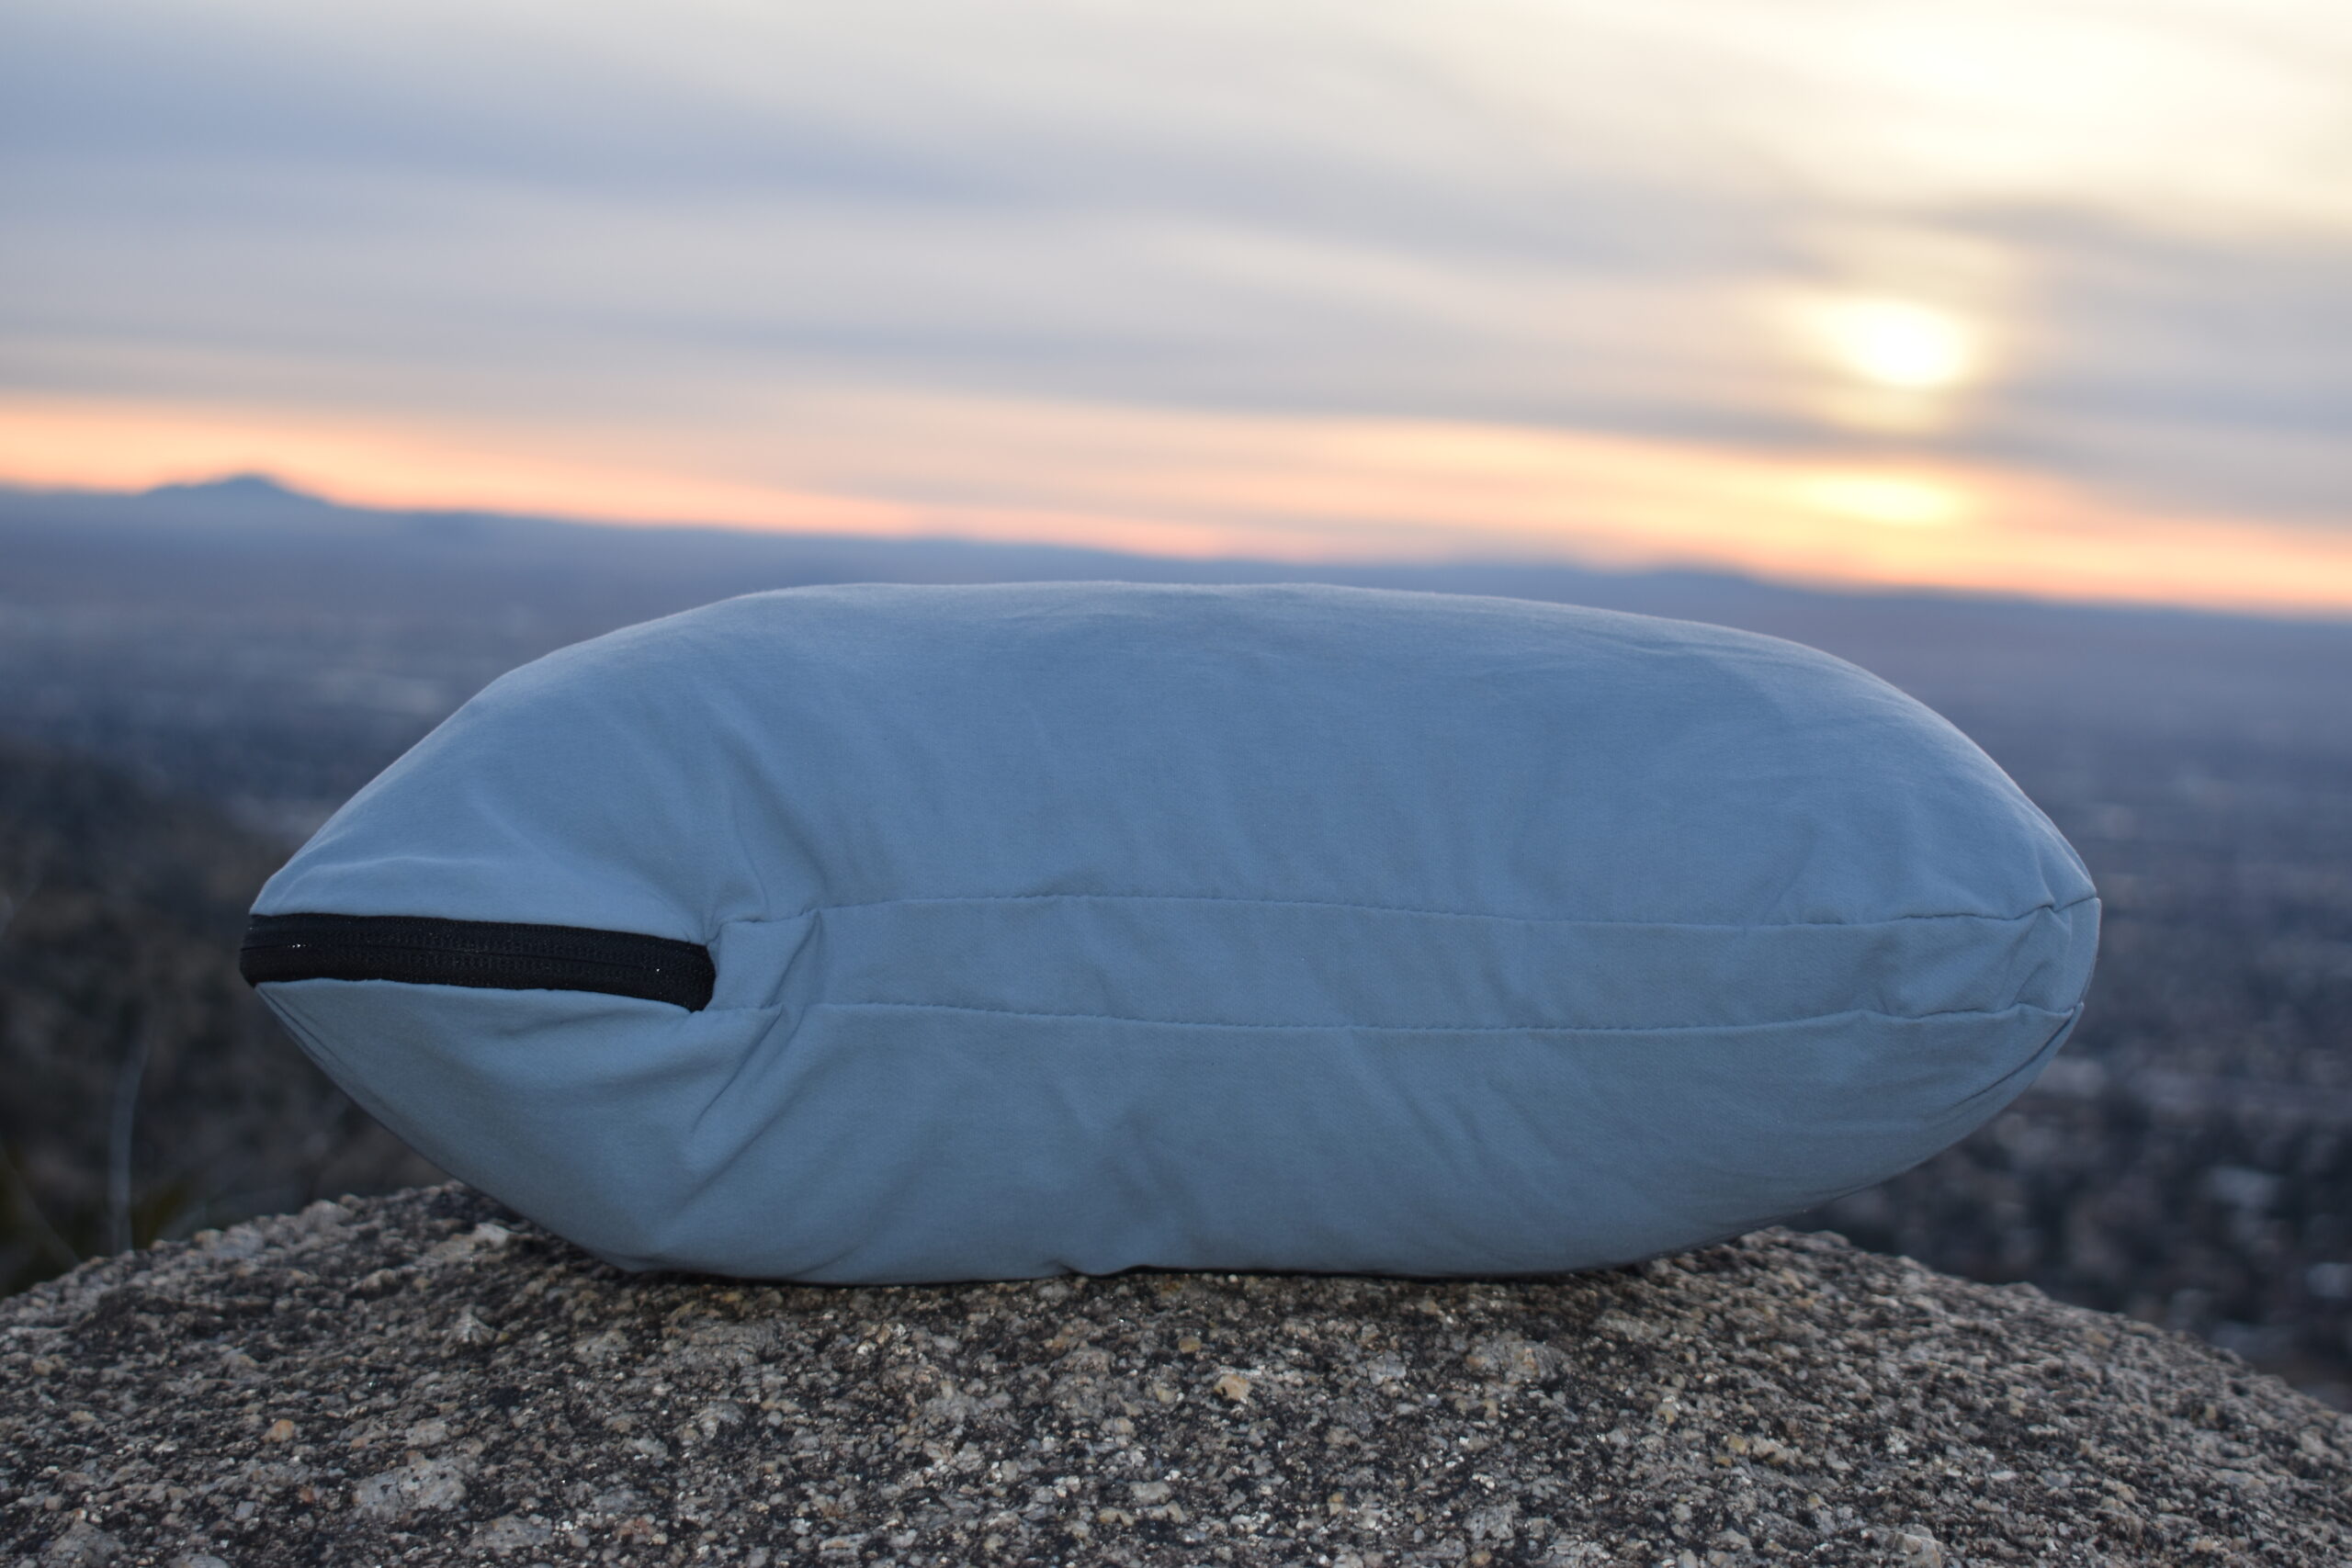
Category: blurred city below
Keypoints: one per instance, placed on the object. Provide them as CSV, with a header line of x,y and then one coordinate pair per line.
x,y
191,678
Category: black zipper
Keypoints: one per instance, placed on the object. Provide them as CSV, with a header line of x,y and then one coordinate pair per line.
x,y
419,951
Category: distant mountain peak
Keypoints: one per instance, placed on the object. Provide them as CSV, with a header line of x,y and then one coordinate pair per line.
x,y
243,489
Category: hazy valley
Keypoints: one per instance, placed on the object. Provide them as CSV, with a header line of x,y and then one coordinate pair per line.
x,y
190,680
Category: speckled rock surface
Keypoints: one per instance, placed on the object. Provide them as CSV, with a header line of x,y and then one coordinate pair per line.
x,y
427,1379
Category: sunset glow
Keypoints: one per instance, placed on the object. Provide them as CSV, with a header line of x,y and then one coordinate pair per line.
x,y
1895,502
1303,490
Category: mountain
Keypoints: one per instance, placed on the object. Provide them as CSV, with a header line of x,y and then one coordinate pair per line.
x,y
463,595
244,492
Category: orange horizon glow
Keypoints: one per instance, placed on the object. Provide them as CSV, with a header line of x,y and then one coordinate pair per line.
x,y
1296,488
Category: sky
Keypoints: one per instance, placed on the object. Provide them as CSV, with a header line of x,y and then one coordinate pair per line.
x,y
2049,298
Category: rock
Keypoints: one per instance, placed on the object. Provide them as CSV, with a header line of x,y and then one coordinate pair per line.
x,y
420,1485
506,1533
294,1391
82,1544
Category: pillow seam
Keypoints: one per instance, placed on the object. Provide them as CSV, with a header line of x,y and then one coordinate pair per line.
x,y
1464,1028
2052,908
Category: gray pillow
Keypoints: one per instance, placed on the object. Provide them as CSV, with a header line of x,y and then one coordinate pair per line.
x,y
900,933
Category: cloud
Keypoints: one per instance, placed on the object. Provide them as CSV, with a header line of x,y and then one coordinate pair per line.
x,y
673,225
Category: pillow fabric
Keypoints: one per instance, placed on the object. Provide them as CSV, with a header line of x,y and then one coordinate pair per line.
x,y
883,933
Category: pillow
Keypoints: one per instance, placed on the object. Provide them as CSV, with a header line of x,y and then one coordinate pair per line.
x,y
883,934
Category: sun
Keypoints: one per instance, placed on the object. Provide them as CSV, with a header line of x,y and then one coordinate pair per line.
x,y
1901,345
